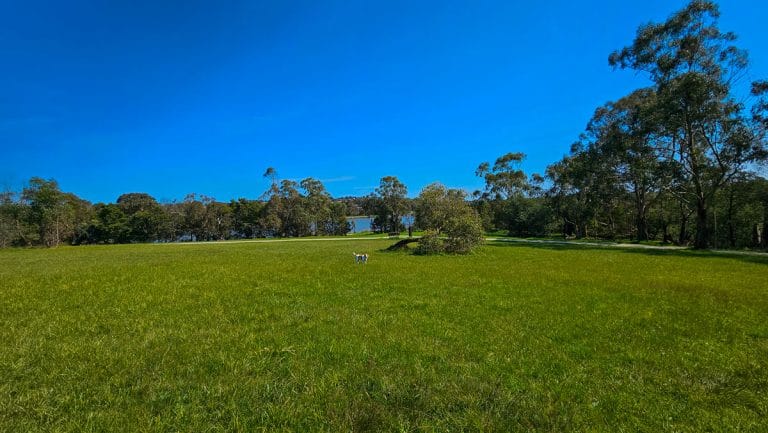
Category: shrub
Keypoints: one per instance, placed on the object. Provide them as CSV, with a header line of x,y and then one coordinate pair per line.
x,y
464,232
430,243
453,225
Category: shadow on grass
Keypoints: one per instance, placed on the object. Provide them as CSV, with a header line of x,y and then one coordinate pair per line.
x,y
751,257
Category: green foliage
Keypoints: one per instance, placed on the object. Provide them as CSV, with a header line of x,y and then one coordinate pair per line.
x,y
664,154
445,212
15,227
429,243
292,336
294,215
110,225
614,164
194,218
8,230
570,193
48,211
290,213
43,214
524,216
146,219
511,201
740,214
464,232
334,222
504,180
388,205
245,217
705,137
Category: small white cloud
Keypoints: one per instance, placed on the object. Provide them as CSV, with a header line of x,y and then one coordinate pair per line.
x,y
338,179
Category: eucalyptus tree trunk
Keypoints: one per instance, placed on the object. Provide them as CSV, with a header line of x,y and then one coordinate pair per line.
x,y
701,241
641,216
682,238
731,225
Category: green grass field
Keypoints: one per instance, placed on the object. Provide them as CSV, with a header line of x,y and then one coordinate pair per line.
x,y
294,336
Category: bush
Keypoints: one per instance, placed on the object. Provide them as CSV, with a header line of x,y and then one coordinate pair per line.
x,y
464,232
430,243
453,225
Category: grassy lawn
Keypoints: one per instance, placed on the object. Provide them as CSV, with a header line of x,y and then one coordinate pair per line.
x,y
295,337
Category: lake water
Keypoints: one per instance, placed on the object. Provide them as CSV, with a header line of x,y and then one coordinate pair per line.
x,y
360,223
363,223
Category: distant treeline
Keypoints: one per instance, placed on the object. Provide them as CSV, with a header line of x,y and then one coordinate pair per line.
x,y
42,214
512,203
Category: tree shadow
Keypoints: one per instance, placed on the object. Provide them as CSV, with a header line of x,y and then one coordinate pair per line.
x,y
745,256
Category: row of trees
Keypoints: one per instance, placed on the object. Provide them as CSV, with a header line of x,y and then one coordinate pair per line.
x,y
592,202
674,161
682,145
41,214
512,202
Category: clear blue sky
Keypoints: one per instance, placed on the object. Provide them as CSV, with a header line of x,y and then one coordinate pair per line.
x,y
171,97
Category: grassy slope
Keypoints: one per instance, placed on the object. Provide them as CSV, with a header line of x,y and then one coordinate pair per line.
x,y
294,336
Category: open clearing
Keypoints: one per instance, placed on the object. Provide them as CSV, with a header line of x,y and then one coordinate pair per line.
x,y
295,337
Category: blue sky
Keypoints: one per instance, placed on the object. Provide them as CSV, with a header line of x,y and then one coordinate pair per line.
x,y
173,97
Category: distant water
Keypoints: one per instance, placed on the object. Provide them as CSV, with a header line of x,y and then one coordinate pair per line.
x,y
363,223
360,223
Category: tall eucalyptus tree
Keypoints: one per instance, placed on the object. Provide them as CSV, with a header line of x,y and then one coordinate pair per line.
x,y
694,66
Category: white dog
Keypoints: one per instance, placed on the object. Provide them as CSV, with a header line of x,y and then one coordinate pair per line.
x,y
360,258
